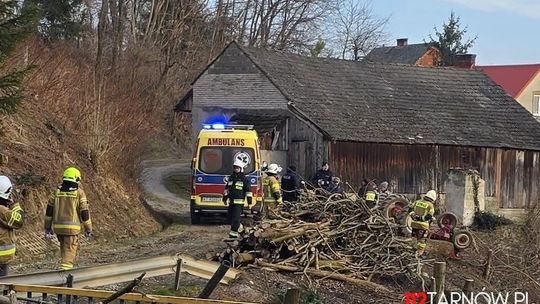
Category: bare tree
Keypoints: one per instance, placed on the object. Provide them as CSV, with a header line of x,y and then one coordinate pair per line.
x,y
357,29
277,24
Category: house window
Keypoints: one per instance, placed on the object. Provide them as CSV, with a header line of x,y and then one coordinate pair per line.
x,y
536,104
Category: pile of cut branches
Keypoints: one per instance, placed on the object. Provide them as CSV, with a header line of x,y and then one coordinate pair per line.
x,y
331,237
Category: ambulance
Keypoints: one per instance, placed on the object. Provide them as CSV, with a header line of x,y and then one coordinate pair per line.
x,y
217,147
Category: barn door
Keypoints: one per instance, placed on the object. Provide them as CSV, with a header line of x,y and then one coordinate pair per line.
x,y
301,156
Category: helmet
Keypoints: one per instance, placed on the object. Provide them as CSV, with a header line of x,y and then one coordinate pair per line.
x,y
5,187
431,194
72,174
239,163
273,169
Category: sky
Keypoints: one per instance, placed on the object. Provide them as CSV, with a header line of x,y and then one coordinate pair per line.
x,y
508,30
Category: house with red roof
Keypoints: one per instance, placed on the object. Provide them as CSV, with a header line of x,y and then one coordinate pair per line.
x,y
522,82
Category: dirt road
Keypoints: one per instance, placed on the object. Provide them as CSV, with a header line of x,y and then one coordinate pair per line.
x,y
164,182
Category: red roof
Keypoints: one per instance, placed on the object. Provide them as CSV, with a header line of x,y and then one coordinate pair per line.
x,y
513,78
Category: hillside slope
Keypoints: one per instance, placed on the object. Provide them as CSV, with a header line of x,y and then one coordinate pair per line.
x,y
34,150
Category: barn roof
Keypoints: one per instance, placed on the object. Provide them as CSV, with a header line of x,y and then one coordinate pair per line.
x,y
396,103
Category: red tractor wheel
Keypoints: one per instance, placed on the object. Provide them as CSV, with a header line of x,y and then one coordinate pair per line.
x,y
447,219
462,239
395,207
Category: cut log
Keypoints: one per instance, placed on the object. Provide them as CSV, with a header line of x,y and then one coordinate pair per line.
x,y
244,258
326,274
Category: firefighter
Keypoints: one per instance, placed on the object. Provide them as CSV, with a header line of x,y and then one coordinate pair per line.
x,y
336,186
383,191
289,185
66,210
272,190
422,212
363,188
323,176
11,218
371,195
237,191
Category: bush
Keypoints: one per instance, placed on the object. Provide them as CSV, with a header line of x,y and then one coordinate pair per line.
x,y
29,179
485,220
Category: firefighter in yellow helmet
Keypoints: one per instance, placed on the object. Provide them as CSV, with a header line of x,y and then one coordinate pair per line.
x,y
11,218
422,212
272,190
66,210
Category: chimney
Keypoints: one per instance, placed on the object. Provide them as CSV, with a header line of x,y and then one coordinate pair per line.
x,y
402,41
465,61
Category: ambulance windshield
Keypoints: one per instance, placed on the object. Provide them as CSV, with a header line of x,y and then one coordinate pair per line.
x,y
219,160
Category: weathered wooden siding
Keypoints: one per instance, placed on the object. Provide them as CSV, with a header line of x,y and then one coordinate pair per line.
x,y
307,149
275,139
408,168
511,175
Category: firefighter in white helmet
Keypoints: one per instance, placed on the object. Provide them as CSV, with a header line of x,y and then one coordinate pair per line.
x,y
237,191
272,190
422,212
11,218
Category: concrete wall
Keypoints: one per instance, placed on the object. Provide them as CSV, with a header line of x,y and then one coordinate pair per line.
x,y
275,157
459,198
516,215
525,98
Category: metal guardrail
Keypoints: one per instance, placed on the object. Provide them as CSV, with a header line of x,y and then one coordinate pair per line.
x,y
46,294
121,272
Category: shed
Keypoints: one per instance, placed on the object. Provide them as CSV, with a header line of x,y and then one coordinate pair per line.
x,y
402,123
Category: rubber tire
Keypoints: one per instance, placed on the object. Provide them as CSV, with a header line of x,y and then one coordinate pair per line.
x,y
407,222
450,216
460,236
398,200
195,216
394,201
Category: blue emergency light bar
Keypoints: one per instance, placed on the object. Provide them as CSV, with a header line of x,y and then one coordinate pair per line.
x,y
220,126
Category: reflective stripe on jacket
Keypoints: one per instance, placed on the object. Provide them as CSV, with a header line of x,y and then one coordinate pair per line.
x,y
421,208
10,219
270,186
66,216
370,196
238,189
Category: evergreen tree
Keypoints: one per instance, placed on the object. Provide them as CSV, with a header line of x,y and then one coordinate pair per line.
x,y
16,23
317,49
61,19
450,40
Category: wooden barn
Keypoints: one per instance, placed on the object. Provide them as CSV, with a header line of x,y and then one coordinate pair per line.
x,y
405,124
